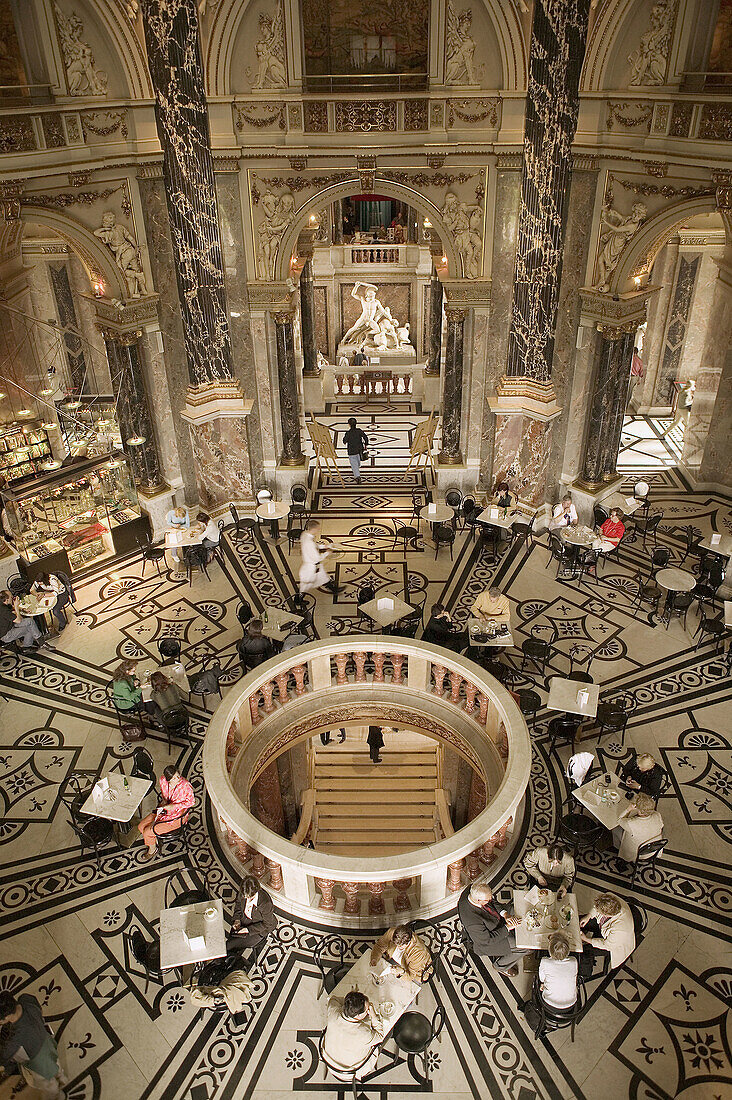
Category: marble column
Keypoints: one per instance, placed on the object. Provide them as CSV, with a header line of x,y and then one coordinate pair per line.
x,y
124,354
289,409
607,408
307,320
436,296
73,347
452,394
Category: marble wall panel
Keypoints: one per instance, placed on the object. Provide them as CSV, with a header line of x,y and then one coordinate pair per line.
x,y
700,314
266,800
675,338
522,450
86,316
426,319
156,383
508,196
221,455
73,345
157,233
658,305
268,403
235,278
705,450
321,319
475,392
716,466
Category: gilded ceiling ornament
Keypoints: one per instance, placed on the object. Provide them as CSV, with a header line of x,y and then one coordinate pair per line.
x,y
648,63
616,230
123,247
460,65
270,52
82,74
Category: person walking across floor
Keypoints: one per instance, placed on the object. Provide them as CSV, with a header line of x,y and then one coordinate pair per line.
x,y
27,1045
375,741
313,573
178,798
356,443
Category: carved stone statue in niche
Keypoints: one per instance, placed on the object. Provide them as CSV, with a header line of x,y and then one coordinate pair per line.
x,y
123,246
648,62
465,222
270,50
460,47
278,213
376,329
83,77
616,230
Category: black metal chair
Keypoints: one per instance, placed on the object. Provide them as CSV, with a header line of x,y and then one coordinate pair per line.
x,y
405,535
647,855
143,766
420,499
299,495
599,515
413,1034
244,614
660,558
537,650
196,558
677,606
131,720
444,536
645,525
150,551
366,593
176,723
523,533
331,975
580,654
146,954
91,832
242,524
454,500
176,899
169,649
180,834
529,703
202,683
564,554
647,591
556,1019
692,537
613,715
711,628
469,511
579,831
562,731
297,517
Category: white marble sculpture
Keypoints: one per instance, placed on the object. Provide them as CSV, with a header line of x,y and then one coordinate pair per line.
x,y
465,222
83,77
376,329
616,230
278,213
270,50
123,247
648,62
460,47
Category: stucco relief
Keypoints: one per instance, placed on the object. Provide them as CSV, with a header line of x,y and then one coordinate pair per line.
x,y
123,247
616,230
460,65
277,213
648,63
270,70
465,222
82,75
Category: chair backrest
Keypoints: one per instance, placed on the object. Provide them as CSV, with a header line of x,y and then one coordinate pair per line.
x,y
75,791
234,513
263,495
469,506
556,546
298,494
438,1022
599,514
453,498
329,945
543,632
651,849
653,521
407,628
244,613
366,593
221,524
169,648
19,586
444,533
660,557
640,917
143,766
138,945
521,530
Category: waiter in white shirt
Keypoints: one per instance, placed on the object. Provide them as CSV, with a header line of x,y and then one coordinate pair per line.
x,y
313,574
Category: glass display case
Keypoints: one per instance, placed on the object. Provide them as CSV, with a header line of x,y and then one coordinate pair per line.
x,y
76,516
23,449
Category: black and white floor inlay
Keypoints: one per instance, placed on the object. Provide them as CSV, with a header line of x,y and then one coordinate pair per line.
x,y
658,1028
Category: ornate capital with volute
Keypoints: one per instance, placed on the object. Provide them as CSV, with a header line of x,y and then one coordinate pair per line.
x,y
455,316
614,316
284,316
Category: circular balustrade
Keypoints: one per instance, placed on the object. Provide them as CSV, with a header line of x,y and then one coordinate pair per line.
x,y
374,680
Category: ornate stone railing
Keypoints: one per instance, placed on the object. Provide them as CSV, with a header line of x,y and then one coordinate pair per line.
x,y
367,680
373,383
376,254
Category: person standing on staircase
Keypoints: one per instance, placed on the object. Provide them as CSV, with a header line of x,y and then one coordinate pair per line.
x,y
375,742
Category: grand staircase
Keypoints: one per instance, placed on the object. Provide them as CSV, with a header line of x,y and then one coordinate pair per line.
x,y
365,809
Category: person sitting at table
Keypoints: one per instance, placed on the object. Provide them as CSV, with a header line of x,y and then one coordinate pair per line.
x,y
441,630
558,974
48,584
492,604
609,927
254,648
312,571
490,931
502,496
178,798
611,532
551,866
353,1029
126,691
15,626
637,825
254,917
166,696
564,514
210,535
404,951
178,518
642,773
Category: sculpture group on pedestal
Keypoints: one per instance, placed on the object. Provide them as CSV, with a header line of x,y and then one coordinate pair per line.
x,y
376,329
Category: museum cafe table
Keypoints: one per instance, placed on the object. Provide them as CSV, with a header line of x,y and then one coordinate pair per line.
x,y
435,514
578,535
722,546
35,606
391,997
385,610
191,934
605,801
549,915
493,516
479,635
573,696
278,622
116,797
272,511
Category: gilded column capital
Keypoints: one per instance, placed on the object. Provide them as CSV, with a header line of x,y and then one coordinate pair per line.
x,y
454,315
284,316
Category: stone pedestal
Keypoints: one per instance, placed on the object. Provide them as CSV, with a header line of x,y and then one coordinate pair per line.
x,y
216,416
524,413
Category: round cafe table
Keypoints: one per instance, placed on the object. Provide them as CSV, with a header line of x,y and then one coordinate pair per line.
x,y
673,580
440,513
272,511
578,535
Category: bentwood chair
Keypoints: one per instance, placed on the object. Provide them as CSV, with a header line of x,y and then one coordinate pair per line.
x,y
150,551
647,855
331,974
351,1078
444,536
242,524
413,1034
146,954
555,1019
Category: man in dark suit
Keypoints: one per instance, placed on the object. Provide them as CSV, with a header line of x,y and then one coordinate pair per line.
x,y
375,741
254,917
254,648
490,930
441,630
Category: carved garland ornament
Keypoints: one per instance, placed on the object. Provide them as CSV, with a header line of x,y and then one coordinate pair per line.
x,y
473,110
116,120
275,113
64,199
640,114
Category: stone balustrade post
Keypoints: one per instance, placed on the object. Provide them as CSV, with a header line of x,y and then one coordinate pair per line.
x,y
352,908
439,672
359,660
254,707
326,887
376,898
470,693
341,660
267,692
455,685
275,875
281,681
298,671
258,865
378,659
454,875
401,902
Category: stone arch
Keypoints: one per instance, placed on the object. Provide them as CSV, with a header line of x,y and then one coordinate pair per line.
x,y
342,190
125,44
97,260
604,33
511,42
642,250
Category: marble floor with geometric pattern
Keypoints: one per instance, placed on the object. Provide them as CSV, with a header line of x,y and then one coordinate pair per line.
x,y
657,1028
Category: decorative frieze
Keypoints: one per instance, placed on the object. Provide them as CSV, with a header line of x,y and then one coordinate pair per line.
x,y
316,116
716,122
471,112
416,114
103,124
629,114
259,116
681,115
365,116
